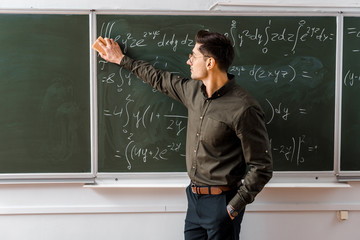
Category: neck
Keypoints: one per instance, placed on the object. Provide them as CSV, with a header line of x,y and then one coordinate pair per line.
x,y
214,82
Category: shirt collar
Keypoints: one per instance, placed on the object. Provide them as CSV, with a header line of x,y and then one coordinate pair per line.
x,y
223,90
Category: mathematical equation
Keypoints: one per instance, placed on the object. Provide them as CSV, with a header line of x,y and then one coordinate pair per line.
x,y
263,37
135,152
293,151
239,35
353,32
146,117
282,111
137,122
263,73
351,78
141,122
257,73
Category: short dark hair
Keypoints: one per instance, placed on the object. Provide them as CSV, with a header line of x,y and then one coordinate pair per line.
x,y
216,45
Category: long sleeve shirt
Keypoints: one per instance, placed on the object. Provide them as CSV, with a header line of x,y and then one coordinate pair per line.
x,y
227,141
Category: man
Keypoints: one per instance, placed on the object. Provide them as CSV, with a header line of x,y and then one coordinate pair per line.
x,y
227,148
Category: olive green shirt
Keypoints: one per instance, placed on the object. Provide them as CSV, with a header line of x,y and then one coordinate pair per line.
x,y
225,132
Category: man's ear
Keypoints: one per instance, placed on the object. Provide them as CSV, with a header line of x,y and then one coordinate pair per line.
x,y
210,63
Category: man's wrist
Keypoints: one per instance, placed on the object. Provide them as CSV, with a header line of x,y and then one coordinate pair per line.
x,y
232,212
121,58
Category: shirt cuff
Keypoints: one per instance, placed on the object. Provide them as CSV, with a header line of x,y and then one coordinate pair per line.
x,y
126,62
238,203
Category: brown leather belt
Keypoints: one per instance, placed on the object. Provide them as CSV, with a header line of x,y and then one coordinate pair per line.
x,y
210,190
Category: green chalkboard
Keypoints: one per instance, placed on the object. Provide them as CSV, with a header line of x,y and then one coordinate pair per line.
x,y
287,63
350,129
44,94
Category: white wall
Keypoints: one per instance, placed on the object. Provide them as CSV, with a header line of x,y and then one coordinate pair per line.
x,y
71,211
186,5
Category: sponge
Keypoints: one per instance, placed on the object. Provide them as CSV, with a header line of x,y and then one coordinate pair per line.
x,y
97,46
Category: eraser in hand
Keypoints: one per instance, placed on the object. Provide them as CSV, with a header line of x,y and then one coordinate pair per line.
x,y
97,46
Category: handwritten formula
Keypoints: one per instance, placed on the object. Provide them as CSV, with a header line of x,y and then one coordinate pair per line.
x,y
351,50
263,37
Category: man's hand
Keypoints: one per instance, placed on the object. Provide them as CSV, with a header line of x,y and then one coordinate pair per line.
x,y
232,213
112,50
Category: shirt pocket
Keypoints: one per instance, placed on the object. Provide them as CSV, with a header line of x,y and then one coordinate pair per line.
x,y
215,132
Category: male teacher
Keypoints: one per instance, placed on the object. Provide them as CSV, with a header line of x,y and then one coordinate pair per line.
x,y
228,154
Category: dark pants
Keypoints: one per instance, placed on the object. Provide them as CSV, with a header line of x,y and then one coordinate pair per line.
x,y
208,219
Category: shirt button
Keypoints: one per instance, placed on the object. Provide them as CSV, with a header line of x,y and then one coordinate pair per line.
x,y
194,150
201,117
197,134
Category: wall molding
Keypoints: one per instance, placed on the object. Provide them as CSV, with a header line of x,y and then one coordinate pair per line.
x,y
176,208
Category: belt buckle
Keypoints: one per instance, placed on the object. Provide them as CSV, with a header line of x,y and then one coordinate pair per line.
x,y
194,188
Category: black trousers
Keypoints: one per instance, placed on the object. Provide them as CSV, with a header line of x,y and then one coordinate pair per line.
x,y
208,219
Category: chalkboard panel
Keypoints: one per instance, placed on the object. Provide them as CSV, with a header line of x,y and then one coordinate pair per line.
x,y
44,94
350,144
287,63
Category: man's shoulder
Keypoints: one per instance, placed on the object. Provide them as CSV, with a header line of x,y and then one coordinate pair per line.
x,y
241,94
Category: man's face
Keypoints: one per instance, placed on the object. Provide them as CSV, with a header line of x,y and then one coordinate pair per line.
x,y
197,63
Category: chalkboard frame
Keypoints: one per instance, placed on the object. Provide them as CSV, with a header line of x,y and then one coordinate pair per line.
x,y
59,177
133,178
